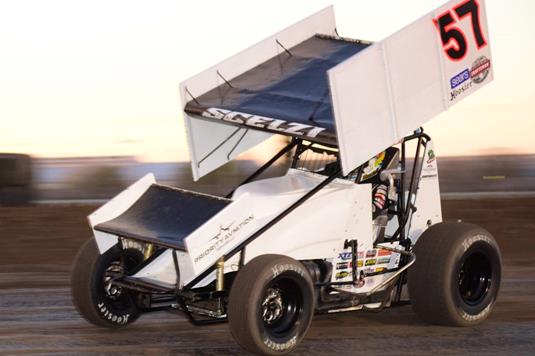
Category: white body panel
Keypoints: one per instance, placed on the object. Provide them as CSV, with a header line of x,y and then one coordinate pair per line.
x,y
205,137
398,84
304,234
115,207
162,269
318,228
301,235
315,230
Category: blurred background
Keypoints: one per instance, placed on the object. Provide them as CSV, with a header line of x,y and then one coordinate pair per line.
x,y
89,103
89,91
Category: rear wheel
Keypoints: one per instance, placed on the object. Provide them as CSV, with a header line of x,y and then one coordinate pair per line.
x,y
456,277
271,304
94,295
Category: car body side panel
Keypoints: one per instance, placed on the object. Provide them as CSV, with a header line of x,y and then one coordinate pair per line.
x,y
316,229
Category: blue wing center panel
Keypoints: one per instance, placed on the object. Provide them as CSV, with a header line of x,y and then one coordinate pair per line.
x,y
292,87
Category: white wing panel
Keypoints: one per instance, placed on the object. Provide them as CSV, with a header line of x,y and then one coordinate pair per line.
x,y
390,89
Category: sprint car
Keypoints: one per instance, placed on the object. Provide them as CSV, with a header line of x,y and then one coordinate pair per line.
x,y
338,231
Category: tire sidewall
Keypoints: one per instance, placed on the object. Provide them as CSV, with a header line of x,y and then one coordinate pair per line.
x,y
474,242
287,269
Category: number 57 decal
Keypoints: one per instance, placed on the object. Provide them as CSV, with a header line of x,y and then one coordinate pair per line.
x,y
453,38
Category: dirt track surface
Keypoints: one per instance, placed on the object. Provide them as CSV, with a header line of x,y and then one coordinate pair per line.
x,y
37,245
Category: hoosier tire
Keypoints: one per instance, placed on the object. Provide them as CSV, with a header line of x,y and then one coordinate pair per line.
x,y
456,277
95,298
271,304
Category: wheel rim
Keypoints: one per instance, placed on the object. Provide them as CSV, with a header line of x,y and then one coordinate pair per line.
x,y
116,297
475,278
114,270
281,307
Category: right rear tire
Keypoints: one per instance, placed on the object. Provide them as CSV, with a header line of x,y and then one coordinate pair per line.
x,y
456,276
271,304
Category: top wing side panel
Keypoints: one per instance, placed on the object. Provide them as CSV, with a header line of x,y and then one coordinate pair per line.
x,y
385,92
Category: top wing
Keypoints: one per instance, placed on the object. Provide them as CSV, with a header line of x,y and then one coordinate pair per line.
x,y
359,96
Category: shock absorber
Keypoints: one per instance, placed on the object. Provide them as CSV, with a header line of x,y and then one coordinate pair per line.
x,y
220,274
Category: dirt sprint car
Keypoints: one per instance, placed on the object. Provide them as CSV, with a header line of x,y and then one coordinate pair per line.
x,y
339,231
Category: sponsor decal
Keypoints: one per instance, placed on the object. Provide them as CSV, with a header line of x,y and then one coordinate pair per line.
x,y
480,70
360,254
384,253
383,260
342,265
132,244
280,346
470,241
380,269
430,170
121,320
279,269
344,256
455,93
342,275
431,156
262,122
225,235
478,73
460,79
369,271
371,262
371,253
482,314
350,264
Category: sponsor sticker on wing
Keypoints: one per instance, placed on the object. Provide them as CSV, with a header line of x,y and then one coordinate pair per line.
x,y
460,78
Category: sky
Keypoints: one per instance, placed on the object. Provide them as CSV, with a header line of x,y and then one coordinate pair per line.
x,y
100,78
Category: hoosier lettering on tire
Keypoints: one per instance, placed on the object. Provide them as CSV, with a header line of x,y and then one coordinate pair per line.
x,y
94,295
271,304
456,277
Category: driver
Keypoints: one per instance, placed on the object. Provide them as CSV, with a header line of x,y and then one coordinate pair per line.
x,y
371,174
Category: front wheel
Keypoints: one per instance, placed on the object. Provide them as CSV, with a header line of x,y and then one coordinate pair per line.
x,y
456,277
271,304
94,295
